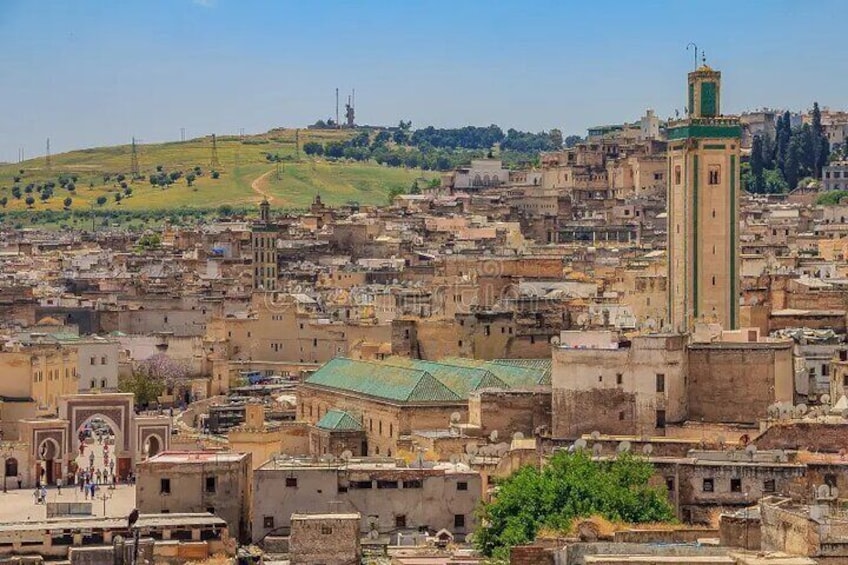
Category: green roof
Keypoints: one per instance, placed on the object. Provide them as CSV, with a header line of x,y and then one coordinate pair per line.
x,y
516,373
380,380
541,366
339,420
461,379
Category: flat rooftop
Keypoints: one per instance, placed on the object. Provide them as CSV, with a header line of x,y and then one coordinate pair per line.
x,y
195,457
88,522
347,516
362,464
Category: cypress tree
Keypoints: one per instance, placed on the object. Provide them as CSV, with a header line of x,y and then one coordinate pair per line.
x,y
757,178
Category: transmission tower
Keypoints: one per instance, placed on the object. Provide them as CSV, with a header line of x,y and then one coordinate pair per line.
x,y
48,154
214,163
297,144
134,160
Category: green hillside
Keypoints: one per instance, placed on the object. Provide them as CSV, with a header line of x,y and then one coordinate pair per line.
x,y
245,175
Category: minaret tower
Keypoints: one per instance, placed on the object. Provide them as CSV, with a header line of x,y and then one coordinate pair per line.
x,y
703,209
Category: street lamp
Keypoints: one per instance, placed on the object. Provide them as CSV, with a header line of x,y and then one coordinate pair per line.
x,y
104,496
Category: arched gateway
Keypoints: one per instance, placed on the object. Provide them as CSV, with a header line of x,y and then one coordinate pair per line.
x,y
55,442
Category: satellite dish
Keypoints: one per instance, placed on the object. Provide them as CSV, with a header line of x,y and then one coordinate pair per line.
x,y
346,455
580,443
596,435
597,449
455,417
647,449
801,409
493,437
555,340
472,449
780,456
623,447
825,399
751,450
834,492
518,436
823,491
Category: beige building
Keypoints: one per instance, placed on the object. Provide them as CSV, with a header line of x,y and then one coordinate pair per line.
x,y
330,539
390,497
198,481
38,372
703,209
264,240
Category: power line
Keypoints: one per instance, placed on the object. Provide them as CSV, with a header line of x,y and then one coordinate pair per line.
x,y
134,170
215,163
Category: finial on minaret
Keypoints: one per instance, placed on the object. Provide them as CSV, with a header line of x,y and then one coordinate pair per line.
x,y
703,58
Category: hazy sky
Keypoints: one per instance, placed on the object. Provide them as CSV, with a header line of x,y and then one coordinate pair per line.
x,y
97,72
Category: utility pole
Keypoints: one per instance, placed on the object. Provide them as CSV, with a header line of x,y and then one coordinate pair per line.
x,y
337,107
297,144
134,171
48,154
182,134
214,163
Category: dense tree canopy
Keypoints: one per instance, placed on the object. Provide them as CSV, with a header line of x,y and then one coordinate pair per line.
x,y
571,486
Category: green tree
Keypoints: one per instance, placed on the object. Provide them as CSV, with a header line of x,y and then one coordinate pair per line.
x,y
783,135
29,201
792,165
774,182
571,486
556,138
821,148
68,201
757,167
215,174
225,210
190,178
313,148
4,201
16,192
118,197
394,192
101,200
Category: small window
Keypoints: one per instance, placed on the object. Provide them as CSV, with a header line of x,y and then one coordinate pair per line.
x,y
768,485
164,486
387,484
714,175
677,175
414,483
400,521
102,360
326,530
459,521
210,485
462,485
660,382
669,484
268,522
735,485
619,378
661,419
708,485
621,415
291,482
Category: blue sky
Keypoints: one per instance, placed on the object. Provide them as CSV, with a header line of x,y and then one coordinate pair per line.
x,y
97,72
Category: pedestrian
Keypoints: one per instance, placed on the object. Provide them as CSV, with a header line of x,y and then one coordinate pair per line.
x,y
97,476
36,495
20,481
82,483
59,485
86,490
93,490
43,494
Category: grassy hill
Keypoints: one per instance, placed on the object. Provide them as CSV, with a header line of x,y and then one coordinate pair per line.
x,y
245,175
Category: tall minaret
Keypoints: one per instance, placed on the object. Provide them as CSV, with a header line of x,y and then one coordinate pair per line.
x,y
703,205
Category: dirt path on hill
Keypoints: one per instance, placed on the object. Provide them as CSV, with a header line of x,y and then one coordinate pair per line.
x,y
255,186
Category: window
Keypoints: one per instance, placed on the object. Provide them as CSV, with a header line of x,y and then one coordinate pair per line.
x,y
735,485
387,484
210,485
600,378
93,360
102,360
460,343
360,484
677,175
708,485
268,522
619,378
291,482
414,483
660,382
400,521
326,530
210,509
459,521
621,415
164,486
825,370
462,485
714,173
661,418
768,485
669,484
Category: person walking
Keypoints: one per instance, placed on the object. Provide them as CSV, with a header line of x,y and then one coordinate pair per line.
x,y
43,494
36,495
59,485
20,481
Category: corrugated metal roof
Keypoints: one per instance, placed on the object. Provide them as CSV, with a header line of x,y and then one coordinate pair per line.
x,y
381,381
339,420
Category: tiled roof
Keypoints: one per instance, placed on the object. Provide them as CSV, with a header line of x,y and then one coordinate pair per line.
x,y
543,366
516,373
339,420
382,381
461,379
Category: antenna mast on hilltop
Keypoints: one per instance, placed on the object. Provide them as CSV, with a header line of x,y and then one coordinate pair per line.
x,y
47,159
134,160
337,108
214,162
